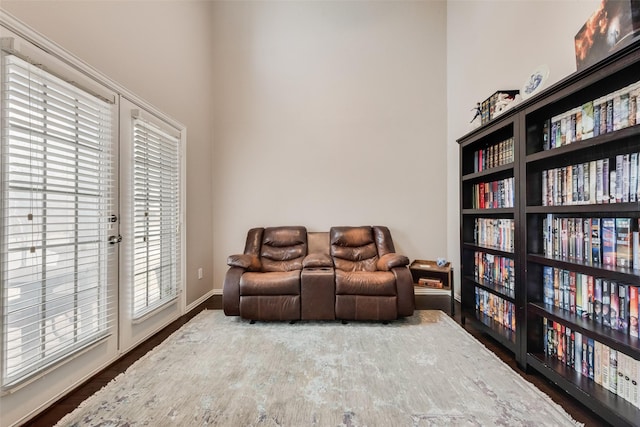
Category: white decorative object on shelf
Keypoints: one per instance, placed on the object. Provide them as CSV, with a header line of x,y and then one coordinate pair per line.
x,y
535,82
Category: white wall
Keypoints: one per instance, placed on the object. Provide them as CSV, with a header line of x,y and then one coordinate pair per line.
x,y
493,45
161,51
323,113
330,113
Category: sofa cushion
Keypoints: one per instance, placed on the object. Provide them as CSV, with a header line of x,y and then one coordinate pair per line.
x,y
283,253
365,283
283,248
351,236
271,283
355,253
284,236
269,265
368,265
353,248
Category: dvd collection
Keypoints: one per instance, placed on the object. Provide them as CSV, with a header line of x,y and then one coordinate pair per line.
x,y
488,106
593,241
612,304
613,370
501,311
609,113
497,233
493,156
494,270
494,194
598,181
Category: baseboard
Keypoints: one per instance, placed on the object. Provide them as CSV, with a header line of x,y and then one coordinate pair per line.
x,y
200,300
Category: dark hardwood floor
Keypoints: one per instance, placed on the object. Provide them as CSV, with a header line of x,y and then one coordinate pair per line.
x,y
68,403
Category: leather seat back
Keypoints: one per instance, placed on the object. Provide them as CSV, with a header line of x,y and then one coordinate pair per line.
x,y
283,248
354,248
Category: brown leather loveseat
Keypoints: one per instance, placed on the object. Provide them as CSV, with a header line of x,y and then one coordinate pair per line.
x,y
349,273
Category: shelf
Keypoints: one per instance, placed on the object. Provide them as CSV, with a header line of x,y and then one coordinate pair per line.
x,y
615,339
497,125
485,324
612,408
488,172
602,209
490,211
494,288
619,274
489,250
584,144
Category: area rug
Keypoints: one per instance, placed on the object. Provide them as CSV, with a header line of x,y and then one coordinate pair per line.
x,y
421,371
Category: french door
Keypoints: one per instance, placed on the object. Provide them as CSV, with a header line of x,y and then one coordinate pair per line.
x,y
151,223
58,271
90,227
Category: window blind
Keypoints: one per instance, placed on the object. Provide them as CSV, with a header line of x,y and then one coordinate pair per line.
x,y
156,217
57,192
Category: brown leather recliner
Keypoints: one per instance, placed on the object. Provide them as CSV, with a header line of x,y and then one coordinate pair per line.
x,y
350,273
372,281
263,283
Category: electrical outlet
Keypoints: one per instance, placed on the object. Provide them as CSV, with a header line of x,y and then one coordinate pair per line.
x,y
200,273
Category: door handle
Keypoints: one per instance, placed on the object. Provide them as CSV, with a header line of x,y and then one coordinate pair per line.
x,y
115,239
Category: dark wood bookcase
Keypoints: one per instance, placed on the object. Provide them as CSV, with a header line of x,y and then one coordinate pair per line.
x,y
489,136
528,123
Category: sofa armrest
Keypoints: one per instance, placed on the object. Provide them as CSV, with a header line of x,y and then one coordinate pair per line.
x,y
248,262
317,260
231,291
389,261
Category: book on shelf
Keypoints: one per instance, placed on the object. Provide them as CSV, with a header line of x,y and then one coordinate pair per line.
x,y
608,113
597,241
606,303
594,182
430,283
597,362
633,311
613,370
577,349
605,357
623,246
494,155
609,241
633,177
635,250
498,309
596,255
597,303
590,358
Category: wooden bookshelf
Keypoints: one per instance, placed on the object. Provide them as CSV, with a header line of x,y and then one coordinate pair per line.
x,y
530,126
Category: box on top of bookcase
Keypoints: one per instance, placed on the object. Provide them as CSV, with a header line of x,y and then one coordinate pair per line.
x,y
496,104
615,24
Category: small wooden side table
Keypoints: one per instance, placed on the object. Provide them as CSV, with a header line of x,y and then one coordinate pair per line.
x,y
426,269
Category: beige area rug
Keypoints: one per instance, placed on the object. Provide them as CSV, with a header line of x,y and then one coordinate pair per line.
x,y
422,371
